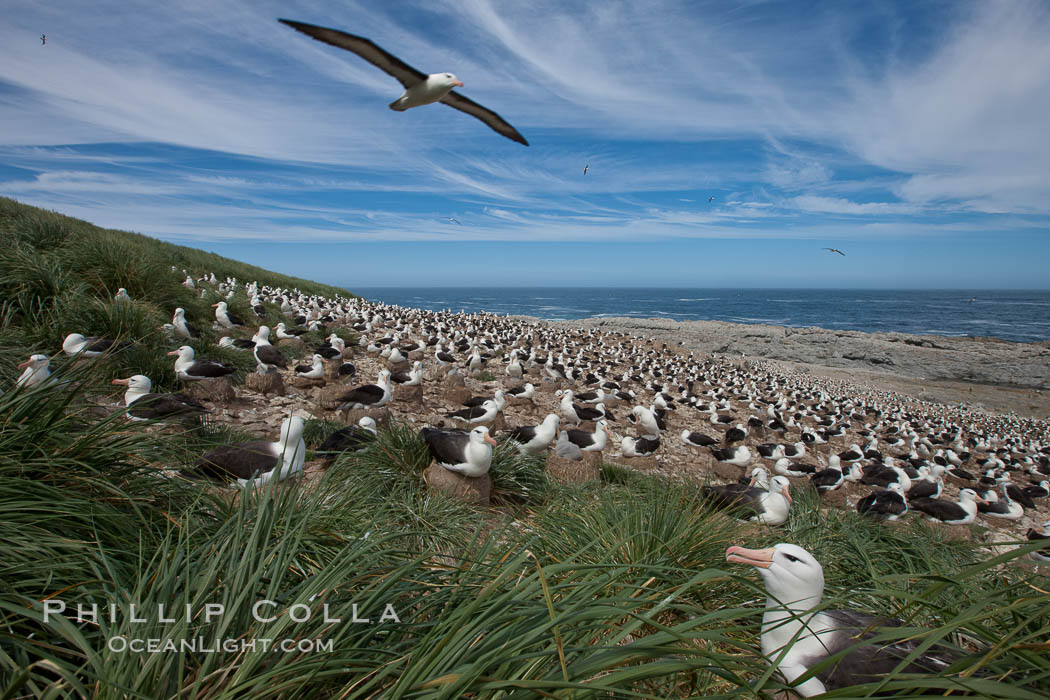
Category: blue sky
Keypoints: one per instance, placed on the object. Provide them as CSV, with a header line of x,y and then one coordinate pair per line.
x,y
913,136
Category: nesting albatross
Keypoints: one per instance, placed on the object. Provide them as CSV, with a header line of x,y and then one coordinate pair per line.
x,y
143,404
256,462
795,585
420,88
470,454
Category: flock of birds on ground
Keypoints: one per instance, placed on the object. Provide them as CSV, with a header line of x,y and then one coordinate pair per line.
x,y
781,429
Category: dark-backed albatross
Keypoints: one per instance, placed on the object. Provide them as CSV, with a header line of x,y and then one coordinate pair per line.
x,y
470,454
420,88
143,404
257,462
795,585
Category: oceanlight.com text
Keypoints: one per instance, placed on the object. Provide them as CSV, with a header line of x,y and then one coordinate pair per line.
x,y
120,645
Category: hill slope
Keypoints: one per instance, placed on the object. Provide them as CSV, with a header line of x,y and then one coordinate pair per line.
x,y
58,275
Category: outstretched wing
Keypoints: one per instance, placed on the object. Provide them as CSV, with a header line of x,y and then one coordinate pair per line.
x,y
495,121
365,48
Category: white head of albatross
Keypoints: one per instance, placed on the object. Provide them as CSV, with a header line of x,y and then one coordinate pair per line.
x,y
138,386
37,370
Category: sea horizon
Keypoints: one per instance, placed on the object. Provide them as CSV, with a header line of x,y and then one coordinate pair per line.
x,y
1020,315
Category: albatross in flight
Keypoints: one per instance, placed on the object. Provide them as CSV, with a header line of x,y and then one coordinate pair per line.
x,y
420,88
835,250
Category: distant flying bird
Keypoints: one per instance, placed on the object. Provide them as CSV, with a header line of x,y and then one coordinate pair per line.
x,y
585,168
835,250
710,199
43,38
453,220
420,89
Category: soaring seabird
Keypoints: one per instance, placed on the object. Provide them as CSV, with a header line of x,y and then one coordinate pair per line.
x,y
142,404
187,368
369,395
533,440
420,89
257,462
798,636
453,220
835,250
470,454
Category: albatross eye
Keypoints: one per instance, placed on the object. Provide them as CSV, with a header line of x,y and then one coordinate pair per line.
x,y
791,558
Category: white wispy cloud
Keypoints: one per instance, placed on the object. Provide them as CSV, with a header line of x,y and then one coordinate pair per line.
x,y
787,118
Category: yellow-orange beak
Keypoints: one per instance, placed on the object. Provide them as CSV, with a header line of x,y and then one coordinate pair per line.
x,y
489,439
174,352
121,381
25,364
762,558
458,83
786,494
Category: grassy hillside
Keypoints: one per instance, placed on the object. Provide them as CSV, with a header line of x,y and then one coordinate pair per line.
x,y
58,275
617,589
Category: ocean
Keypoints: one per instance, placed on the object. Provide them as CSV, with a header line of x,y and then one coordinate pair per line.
x,y
1010,315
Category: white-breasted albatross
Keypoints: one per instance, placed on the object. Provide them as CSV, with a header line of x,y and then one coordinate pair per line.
x,y
794,582
420,88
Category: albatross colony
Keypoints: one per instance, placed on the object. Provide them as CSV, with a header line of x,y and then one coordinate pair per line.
x,y
630,398
589,393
